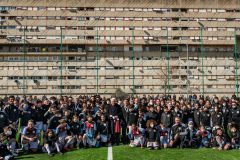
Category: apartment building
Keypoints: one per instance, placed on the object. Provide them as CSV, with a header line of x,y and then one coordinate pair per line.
x,y
74,47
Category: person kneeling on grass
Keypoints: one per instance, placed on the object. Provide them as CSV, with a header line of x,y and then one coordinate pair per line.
x,y
29,137
10,134
220,141
151,135
5,154
90,138
234,137
177,133
136,137
203,137
64,136
190,140
51,143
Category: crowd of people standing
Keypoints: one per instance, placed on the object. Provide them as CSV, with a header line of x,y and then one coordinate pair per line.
x,y
57,125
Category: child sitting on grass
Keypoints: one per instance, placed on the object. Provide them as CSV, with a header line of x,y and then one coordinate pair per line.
x,y
51,143
151,135
136,137
65,138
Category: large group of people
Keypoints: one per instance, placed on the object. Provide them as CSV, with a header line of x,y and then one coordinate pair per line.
x,y
56,125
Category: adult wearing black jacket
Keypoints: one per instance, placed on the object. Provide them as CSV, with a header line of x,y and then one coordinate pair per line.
x,y
54,121
176,112
151,114
235,114
125,112
38,113
25,114
3,121
196,115
216,117
186,115
226,114
177,133
205,117
167,118
114,113
12,111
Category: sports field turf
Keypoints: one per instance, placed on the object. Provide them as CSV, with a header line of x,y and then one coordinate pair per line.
x,y
127,153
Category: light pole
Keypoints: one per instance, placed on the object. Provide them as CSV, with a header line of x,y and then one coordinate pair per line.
x,y
61,71
97,57
236,62
168,58
187,73
202,53
24,63
133,66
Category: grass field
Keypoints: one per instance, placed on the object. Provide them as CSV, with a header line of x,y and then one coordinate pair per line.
x,y
127,153
81,154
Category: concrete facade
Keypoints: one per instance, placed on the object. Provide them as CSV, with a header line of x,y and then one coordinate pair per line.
x,y
30,52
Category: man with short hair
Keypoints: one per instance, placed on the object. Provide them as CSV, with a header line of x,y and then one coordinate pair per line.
x,y
12,111
114,113
177,133
30,137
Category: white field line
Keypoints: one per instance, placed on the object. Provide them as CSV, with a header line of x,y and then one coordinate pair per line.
x,y
110,155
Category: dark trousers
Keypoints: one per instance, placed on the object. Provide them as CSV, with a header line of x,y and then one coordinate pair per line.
x,y
124,137
115,138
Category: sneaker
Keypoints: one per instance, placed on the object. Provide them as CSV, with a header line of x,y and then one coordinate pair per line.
x,y
60,153
14,154
50,154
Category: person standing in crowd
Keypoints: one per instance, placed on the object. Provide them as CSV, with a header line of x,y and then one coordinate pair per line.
x,y
216,117
12,111
196,115
93,121
114,112
152,114
226,114
38,115
205,117
235,114
167,120
4,121
125,125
